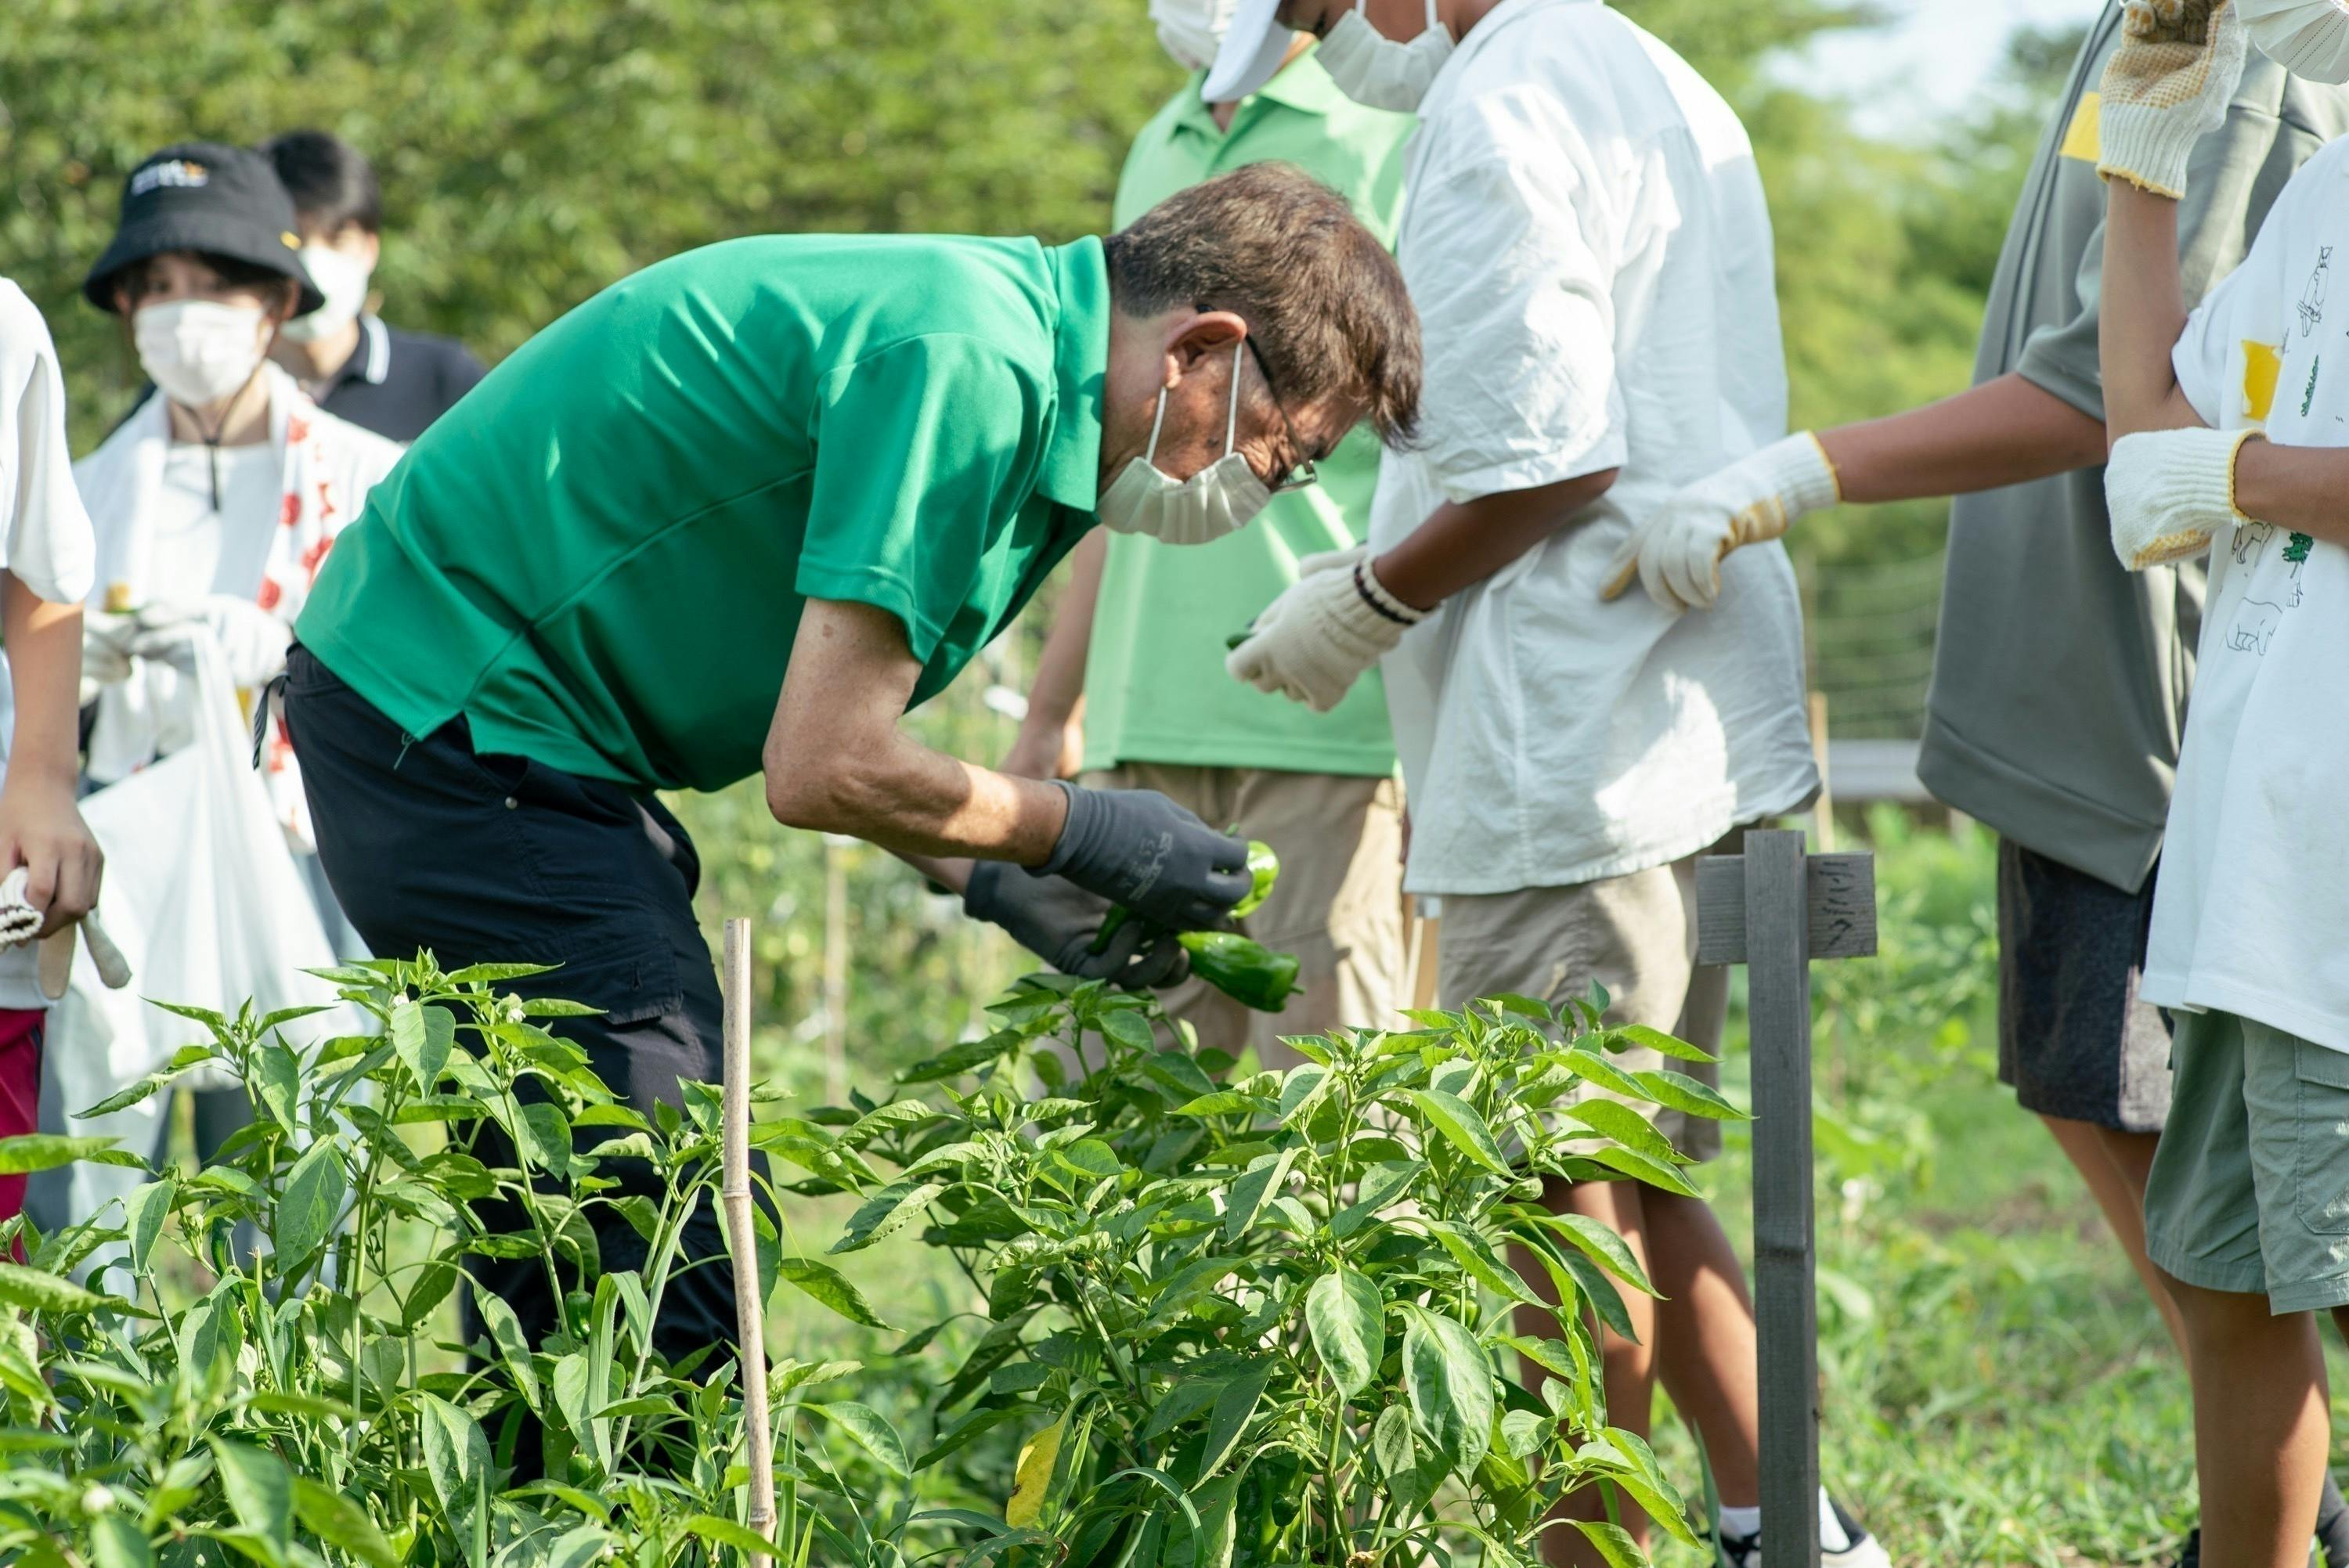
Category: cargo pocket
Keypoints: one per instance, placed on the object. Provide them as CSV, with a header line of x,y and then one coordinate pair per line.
x,y
2320,1137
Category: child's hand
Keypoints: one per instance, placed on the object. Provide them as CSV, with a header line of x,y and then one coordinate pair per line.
x,y
42,831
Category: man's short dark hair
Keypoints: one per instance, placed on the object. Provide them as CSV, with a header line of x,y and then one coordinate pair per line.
x,y
331,181
1324,302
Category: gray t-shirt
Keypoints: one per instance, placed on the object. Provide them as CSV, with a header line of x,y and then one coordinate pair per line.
x,y
2060,680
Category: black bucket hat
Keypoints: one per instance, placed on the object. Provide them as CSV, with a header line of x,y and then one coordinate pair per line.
x,y
204,196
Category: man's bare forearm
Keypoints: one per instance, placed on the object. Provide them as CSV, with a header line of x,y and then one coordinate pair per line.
x,y
1463,542
836,762
44,642
2142,314
2006,431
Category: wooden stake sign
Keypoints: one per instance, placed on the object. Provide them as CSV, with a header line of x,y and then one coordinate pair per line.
x,y
1774,909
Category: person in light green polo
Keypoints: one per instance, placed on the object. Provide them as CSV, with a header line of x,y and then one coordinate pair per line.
x,y
738,512
1131,690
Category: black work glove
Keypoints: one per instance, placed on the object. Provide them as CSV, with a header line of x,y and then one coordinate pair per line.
x,y
1137,848
1058,922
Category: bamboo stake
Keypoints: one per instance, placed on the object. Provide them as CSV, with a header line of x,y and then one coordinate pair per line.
x,y
749,1310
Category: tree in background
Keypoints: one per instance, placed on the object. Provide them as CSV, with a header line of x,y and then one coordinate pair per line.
x,y
533,150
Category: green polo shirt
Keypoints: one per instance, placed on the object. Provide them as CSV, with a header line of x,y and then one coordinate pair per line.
x,y
1155,690
598,558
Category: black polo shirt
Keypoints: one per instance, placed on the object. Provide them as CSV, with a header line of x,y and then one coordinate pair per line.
x,y
396,383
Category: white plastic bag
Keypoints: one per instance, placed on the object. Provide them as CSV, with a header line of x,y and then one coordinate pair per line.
x,y
209,906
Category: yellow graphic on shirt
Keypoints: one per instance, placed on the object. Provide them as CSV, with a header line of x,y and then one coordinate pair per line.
x,y
2262,365
2080,138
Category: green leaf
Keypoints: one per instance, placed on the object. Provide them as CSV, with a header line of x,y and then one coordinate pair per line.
x,y
1347,1319
1677,1091
544,1136
115,1542
260,1490
1224,1102
492,974
1092,1159
1635,1035
1609,1250
312,1201
886,1212
1381,1186
962,1058
1633,1163
513,1345
726,1533
556,1008
828,1285
1229,1418
1249,1192
31,1151
1522,1431
1604,1297
1210,1543
1524,1006
1390,1442
337,1518
1476,1257
274,1074
423,1037
1458,1122
1613,1541
1624,1125
457,1462
1450,1383
872,1431
1128,1029
144,1211
37,1291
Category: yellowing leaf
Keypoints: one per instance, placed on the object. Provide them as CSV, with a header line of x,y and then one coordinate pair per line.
x,y
1038,1456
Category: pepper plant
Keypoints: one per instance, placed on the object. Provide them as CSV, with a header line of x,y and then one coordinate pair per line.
x,y
1280,1318
308,1406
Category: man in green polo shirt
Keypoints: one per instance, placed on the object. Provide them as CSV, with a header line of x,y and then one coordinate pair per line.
x,y
1130,687
738,512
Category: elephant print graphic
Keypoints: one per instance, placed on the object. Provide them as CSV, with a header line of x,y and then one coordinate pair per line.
x,y
2312,299
2256,620
2255,625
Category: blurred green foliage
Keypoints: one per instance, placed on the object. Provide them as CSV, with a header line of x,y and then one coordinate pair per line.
x,y
533,150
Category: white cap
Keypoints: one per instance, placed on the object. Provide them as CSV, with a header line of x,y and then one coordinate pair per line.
x,y
1254,46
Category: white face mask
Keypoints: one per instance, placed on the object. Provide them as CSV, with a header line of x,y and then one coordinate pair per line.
x,y
2307,37
1220,499
1384,73
343,279
198,351
1190,31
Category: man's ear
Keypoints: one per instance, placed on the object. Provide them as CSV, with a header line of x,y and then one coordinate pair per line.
x,y
1202,339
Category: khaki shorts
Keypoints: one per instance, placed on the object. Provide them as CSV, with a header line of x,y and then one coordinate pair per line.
x,y
1338,904
2249,1186
1634,935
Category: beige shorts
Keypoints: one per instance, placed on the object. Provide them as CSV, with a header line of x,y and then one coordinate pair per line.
x,y
1634,935
1338,904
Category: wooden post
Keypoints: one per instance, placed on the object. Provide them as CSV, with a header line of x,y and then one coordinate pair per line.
x,y
1774,908
742,1236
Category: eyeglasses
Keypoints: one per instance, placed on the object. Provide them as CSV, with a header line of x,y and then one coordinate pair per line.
x,y
1304,473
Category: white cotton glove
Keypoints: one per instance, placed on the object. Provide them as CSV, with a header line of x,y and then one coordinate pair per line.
x,y
1677,549
19,919
253,642
1313,643
2168,83
2170,492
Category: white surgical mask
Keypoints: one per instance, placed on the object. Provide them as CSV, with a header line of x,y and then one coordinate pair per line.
x,y
1190,31
2307,37
198,351
1384,73
343,279
1220,499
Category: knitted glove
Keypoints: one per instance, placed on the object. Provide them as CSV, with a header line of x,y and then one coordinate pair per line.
x,y
2170,492
1677,550
1314,642
2168,84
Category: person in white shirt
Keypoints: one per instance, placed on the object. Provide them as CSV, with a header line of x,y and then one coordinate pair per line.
x,y
2231,431
1584,235
214,503
44,571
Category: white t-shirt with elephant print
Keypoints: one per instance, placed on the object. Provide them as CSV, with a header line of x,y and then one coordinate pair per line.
x,y
2250,915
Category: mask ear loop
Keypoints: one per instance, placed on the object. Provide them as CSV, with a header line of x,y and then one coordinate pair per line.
x,y
1151,454
1232,419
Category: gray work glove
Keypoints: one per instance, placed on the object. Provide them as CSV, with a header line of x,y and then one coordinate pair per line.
x,y
1058,922
1137,848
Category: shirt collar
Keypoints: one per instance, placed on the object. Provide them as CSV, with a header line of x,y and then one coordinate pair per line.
x,y
1301,85
371,360
1069,472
